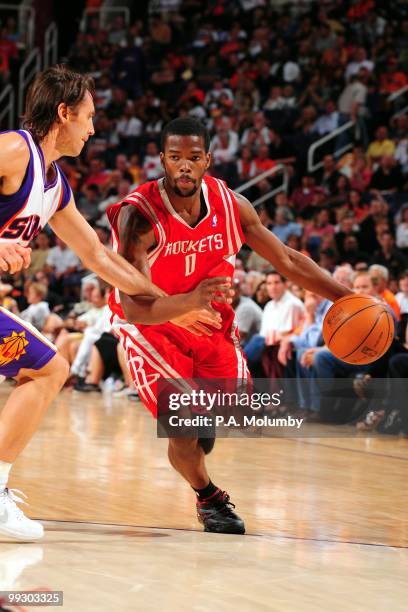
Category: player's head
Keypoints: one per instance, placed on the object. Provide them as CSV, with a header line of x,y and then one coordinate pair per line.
x,y
60,100
185,156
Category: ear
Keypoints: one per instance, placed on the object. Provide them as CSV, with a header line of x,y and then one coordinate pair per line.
x,y
162,159
208,160
62,112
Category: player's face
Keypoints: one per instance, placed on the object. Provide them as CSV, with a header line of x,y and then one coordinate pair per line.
x,y
76,126
185,162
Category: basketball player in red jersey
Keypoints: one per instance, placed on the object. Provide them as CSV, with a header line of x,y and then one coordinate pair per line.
x,y
179,230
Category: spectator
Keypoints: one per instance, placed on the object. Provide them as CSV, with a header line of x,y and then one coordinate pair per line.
x,y
5,300
388,176
379,277
248,315
284,225
389,256
39,253
152,166
381,146
38,310
402,231
328,122
281,315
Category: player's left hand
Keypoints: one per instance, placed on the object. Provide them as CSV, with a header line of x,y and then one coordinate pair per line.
x,y
197,321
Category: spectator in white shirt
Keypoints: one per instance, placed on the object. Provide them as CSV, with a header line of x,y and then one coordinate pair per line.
x,y
62,265
38,311
61,260
151,164
360,61
328,122
280,317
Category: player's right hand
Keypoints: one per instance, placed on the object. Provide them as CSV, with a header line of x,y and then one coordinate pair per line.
x,y
14,257
197,321
216,289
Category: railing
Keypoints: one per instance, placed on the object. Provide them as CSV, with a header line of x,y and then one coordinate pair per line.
x,y
103,12
396,101
28,70
312,166
50,45
25,20
278,169
7,107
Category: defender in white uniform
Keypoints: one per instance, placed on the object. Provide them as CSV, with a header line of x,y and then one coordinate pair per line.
x,y
34,192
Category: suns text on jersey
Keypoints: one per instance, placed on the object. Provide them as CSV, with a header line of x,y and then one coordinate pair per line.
x,y
208,243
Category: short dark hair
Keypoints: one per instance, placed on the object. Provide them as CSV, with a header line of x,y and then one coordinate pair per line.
x,y
49,89
275,273
185,126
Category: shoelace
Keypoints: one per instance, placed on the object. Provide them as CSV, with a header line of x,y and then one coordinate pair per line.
x,y
12,495
228,505
224,505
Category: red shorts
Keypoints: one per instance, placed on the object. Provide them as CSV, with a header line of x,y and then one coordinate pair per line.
x,y
169,352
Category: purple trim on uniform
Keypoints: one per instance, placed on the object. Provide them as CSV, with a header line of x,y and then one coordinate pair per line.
x,y
11,205
53,182
36,353
66,189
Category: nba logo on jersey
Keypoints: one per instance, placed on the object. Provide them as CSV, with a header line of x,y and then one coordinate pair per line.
x,y
214,221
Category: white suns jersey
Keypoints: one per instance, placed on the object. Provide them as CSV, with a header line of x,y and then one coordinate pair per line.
x,y
24,213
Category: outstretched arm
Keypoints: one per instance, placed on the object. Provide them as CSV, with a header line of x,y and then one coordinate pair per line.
x,y
72,228
296,267
136,238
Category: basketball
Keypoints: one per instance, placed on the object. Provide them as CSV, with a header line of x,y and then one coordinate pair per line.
x,y
358,329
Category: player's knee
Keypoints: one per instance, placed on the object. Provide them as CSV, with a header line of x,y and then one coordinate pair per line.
x,y
59,369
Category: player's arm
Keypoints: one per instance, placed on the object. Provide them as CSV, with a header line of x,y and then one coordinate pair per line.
x,y
296,267
136,238
14,158
72,228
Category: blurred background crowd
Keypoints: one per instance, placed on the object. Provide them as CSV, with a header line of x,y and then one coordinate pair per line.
x,y
268,80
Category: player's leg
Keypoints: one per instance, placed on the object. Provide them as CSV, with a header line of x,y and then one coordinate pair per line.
x,y
220,358
40,373
157,355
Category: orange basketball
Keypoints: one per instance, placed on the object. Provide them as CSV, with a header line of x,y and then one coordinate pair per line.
x,y
358,329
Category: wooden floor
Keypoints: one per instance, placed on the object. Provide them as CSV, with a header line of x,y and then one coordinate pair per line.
x,y
326,519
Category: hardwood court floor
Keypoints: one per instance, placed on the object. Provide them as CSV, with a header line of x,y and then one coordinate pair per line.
x,y
326,519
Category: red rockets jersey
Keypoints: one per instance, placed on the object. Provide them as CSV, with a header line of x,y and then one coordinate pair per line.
x,y
184,255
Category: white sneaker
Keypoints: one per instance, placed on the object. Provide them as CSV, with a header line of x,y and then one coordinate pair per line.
x,y
13,522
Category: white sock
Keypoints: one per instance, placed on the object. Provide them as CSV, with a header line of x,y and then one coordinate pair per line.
x,y
4,474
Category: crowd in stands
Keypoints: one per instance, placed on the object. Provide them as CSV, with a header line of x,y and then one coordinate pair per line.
x,y
268,84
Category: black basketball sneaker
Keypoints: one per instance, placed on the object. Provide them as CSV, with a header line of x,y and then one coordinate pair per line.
x,y
217,515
